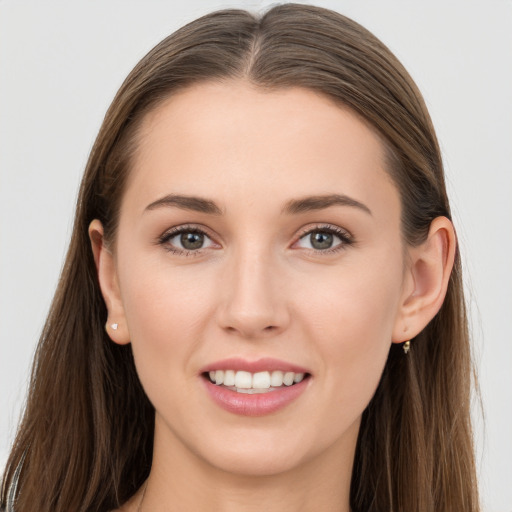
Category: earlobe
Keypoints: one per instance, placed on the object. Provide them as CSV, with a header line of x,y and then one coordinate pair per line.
x,y
107,278
428,275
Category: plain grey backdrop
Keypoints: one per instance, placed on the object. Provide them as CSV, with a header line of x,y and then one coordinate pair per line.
x,y
62,62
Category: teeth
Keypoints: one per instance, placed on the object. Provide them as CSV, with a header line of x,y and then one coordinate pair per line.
x,y
242,379
288,378
261,380
219,377
253,391
276,380
246,382
229,378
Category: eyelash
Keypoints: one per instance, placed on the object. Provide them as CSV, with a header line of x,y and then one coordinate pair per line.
x,y
169,235
345,237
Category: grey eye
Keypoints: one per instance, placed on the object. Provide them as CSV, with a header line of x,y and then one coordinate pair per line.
x,y
321,240
191,241
187,240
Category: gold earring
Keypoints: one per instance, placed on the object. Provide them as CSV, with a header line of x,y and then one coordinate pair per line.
x,y
407,346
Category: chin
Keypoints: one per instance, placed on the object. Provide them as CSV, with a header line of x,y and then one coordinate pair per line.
x,y
256,462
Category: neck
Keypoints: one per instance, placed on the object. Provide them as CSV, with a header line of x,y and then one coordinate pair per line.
x,y
184,481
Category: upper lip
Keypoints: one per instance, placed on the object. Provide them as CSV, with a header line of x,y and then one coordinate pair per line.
x,y
258,365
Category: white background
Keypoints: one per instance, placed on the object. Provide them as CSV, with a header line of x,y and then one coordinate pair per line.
x,y
60,65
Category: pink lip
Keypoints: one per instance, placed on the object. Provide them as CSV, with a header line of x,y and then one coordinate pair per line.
x,y
257,404
260,365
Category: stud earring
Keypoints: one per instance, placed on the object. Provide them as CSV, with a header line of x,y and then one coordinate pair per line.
x,y
113,326
407,346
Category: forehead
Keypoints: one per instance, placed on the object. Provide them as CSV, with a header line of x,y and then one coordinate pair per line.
x,y
231,140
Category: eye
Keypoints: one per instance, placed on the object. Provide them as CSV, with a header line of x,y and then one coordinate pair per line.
x,y
186,240
325,239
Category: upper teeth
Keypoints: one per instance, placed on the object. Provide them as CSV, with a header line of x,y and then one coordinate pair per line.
x,y
259,380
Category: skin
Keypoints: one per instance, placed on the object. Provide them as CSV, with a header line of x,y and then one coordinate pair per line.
x,y
258,288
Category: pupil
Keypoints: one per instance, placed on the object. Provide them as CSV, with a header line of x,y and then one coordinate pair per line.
x,y
191,241
321,240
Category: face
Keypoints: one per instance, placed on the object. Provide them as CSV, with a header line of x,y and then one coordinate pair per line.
x,y
259,236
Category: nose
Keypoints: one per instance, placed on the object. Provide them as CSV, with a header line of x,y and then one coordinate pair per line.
x,y
253,302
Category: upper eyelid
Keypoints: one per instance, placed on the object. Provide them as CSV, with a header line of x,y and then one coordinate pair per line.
x,y
185,228
302,231
169,234
325,227
164,239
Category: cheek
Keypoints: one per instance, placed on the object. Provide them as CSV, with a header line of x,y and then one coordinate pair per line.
x,y
352,321
357,303
164,310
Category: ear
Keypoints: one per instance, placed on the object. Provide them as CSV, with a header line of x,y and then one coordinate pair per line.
x,y
426,280
116,325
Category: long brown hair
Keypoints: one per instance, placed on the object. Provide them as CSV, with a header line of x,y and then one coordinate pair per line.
x,y
85,441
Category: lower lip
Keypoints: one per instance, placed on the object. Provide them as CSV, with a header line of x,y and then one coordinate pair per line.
x,y
258,404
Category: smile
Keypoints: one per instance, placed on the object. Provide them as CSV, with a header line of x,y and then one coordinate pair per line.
x,y
254,388
254,383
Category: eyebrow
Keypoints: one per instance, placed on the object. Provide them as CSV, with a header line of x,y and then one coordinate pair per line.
x,y
313,203
294,206
196,204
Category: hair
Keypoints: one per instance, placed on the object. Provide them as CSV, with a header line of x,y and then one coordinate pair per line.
x,y
86,438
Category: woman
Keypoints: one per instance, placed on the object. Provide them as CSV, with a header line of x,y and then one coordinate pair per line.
x,y
262,303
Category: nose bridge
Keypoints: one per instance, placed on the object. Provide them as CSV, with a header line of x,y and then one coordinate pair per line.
x,y
253,305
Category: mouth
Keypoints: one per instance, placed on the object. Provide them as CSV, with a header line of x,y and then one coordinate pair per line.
x,y
241,381
255,388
